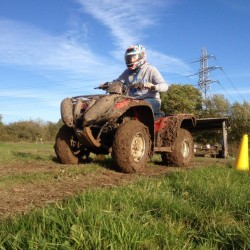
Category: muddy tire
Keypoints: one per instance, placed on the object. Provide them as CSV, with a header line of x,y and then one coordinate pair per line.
x,y
183,150
131,147
66,146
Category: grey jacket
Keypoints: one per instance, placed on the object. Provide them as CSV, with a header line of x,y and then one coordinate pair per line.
x,y
147,73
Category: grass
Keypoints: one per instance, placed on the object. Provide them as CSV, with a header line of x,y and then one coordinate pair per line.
x,y
203,208
206,208
21,155
25,152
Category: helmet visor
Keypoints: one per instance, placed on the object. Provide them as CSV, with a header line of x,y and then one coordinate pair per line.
x,y
130,59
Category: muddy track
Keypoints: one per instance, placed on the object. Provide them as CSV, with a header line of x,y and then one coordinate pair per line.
x,y
22,196
51,182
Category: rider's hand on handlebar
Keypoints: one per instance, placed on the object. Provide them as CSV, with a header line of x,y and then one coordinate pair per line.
x,y
104,85
149,85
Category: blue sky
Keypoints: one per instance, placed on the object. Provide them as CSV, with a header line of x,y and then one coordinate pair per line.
x,y
52,49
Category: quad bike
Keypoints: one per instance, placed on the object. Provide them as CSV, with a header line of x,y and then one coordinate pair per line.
x,y
116,124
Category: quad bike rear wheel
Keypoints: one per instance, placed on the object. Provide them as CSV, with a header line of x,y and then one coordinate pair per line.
x,y
183,152
131,146
67,147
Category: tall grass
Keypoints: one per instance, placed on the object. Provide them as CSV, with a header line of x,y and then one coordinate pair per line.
x,y
204,208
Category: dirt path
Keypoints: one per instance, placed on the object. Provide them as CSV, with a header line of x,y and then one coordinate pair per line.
x,y
38,184
22,196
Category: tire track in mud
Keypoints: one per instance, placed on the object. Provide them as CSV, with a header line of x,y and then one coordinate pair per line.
x,y
60,183
21,197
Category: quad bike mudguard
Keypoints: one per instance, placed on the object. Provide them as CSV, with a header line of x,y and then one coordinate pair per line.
x,y
67,112
167,129
101,110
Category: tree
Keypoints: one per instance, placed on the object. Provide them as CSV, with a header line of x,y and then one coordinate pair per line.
x,y
239,120
29,131
24,130
1,128
216,106
182,99
51,130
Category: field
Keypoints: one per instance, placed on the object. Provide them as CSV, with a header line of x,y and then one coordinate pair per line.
x,y
46,205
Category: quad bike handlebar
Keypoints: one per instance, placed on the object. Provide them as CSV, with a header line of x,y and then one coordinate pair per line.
x,y
103,86
112,87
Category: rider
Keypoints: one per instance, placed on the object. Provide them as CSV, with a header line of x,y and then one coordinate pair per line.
x,y
139,71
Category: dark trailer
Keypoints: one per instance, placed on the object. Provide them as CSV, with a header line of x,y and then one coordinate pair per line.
x,y
222,124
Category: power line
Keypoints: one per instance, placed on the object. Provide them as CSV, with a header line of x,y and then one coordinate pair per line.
x,y
226,92
68,85
229,80
204,82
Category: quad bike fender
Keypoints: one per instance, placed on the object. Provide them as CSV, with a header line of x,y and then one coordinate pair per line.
x,y
100,111
112,107
72,108
167,129
139,110
67,112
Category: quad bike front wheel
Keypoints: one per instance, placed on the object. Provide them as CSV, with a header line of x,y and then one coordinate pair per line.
x,y
131,147
67,147
183,152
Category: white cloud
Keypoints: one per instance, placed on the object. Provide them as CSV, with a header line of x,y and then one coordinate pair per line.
x,y
168,64
128,22
31,97
25,45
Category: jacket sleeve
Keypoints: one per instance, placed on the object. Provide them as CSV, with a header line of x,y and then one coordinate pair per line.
x,y
158,81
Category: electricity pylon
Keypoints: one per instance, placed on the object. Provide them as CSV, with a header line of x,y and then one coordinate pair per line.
x,y
204,82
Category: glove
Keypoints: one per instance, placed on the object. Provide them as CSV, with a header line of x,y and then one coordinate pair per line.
x,y
104,85
137,86
149,85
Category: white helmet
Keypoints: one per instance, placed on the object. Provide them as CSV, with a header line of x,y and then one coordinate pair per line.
x,y
135,56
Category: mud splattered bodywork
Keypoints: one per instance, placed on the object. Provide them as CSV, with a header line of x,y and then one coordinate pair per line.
x,y
98,124
95,119
167,128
